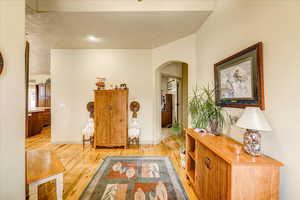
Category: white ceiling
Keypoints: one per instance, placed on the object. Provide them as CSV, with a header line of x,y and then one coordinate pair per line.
x,y
116,30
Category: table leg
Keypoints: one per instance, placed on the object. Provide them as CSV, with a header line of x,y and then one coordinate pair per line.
x,y
59,186
33,191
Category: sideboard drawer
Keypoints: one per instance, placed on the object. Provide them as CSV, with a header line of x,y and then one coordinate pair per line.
x,y
211,175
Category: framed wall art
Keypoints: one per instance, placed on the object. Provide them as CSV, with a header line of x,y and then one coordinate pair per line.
x,y
239,79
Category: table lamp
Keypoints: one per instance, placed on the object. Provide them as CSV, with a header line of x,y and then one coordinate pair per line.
x,y
253,120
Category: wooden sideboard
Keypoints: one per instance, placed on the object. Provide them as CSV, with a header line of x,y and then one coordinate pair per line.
x,y
36,120
111,118
216,172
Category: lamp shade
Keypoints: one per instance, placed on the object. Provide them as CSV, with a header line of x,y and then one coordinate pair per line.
x,y
253,119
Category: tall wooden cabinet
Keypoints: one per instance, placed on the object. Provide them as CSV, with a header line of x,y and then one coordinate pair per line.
x,y
44,95
216,172
111,118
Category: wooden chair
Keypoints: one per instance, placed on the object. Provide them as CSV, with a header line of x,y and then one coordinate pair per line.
x,y
134,140
85,138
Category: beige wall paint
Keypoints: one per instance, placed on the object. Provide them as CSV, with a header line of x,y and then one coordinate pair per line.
x,y
73,75
237,24
172,69
12,100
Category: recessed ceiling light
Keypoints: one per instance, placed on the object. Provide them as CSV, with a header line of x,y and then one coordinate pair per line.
x,y
93,38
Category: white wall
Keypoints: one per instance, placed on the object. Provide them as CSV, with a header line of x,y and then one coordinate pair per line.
x,y
12,100
182,50
172,69
73,74
237,24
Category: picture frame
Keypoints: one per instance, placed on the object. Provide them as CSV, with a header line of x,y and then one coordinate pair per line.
x,y
1,63
239,79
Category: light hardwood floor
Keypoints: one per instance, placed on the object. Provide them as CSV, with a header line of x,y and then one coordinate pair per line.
x,y
81,165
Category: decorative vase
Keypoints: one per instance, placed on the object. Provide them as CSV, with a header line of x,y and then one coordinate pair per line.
x,y
214,127
182,158
252,142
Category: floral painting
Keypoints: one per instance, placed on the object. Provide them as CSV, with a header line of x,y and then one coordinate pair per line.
x,y
239,80
236,81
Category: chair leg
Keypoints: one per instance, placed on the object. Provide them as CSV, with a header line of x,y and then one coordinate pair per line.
x,y
83,142
59,186
33,191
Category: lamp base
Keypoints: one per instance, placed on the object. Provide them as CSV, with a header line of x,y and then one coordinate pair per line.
x,y
252,142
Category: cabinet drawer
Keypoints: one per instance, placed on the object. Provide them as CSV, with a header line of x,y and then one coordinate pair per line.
x,y
211,175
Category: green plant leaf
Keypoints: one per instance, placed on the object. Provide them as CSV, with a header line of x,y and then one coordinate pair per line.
x,y
203,109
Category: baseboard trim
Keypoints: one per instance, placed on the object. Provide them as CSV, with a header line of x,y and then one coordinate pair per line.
x,y
80,142
66,142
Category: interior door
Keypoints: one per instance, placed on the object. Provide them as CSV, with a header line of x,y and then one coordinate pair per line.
x,y
103,114
119,117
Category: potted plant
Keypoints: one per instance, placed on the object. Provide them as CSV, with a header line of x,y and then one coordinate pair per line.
x,y
176,127
179,138
204,111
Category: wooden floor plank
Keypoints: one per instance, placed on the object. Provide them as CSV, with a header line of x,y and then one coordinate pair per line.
x,y
80,166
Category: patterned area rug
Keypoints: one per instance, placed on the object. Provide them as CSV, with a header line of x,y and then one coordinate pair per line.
x,y
135,178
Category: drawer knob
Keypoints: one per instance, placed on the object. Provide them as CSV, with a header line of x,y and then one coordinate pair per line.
x,y
207,162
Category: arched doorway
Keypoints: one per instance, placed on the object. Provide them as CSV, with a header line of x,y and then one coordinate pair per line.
x,y
171,92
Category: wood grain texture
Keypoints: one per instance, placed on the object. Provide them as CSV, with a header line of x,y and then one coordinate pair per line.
x,y
220,174
111,118
35,123
42,164
166,114
262,182
44,95
81,165
211,175
102,117
221,145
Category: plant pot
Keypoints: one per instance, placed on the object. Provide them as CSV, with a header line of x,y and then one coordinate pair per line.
x,y
214,127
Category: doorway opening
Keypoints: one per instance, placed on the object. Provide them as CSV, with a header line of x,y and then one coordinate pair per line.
x,y
173,98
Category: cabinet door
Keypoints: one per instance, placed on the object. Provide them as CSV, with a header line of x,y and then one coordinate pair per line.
x,y
211,175
103,113
119,117
41,95
47,95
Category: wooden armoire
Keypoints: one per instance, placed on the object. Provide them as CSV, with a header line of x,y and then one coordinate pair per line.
x,y
111,118
44,95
